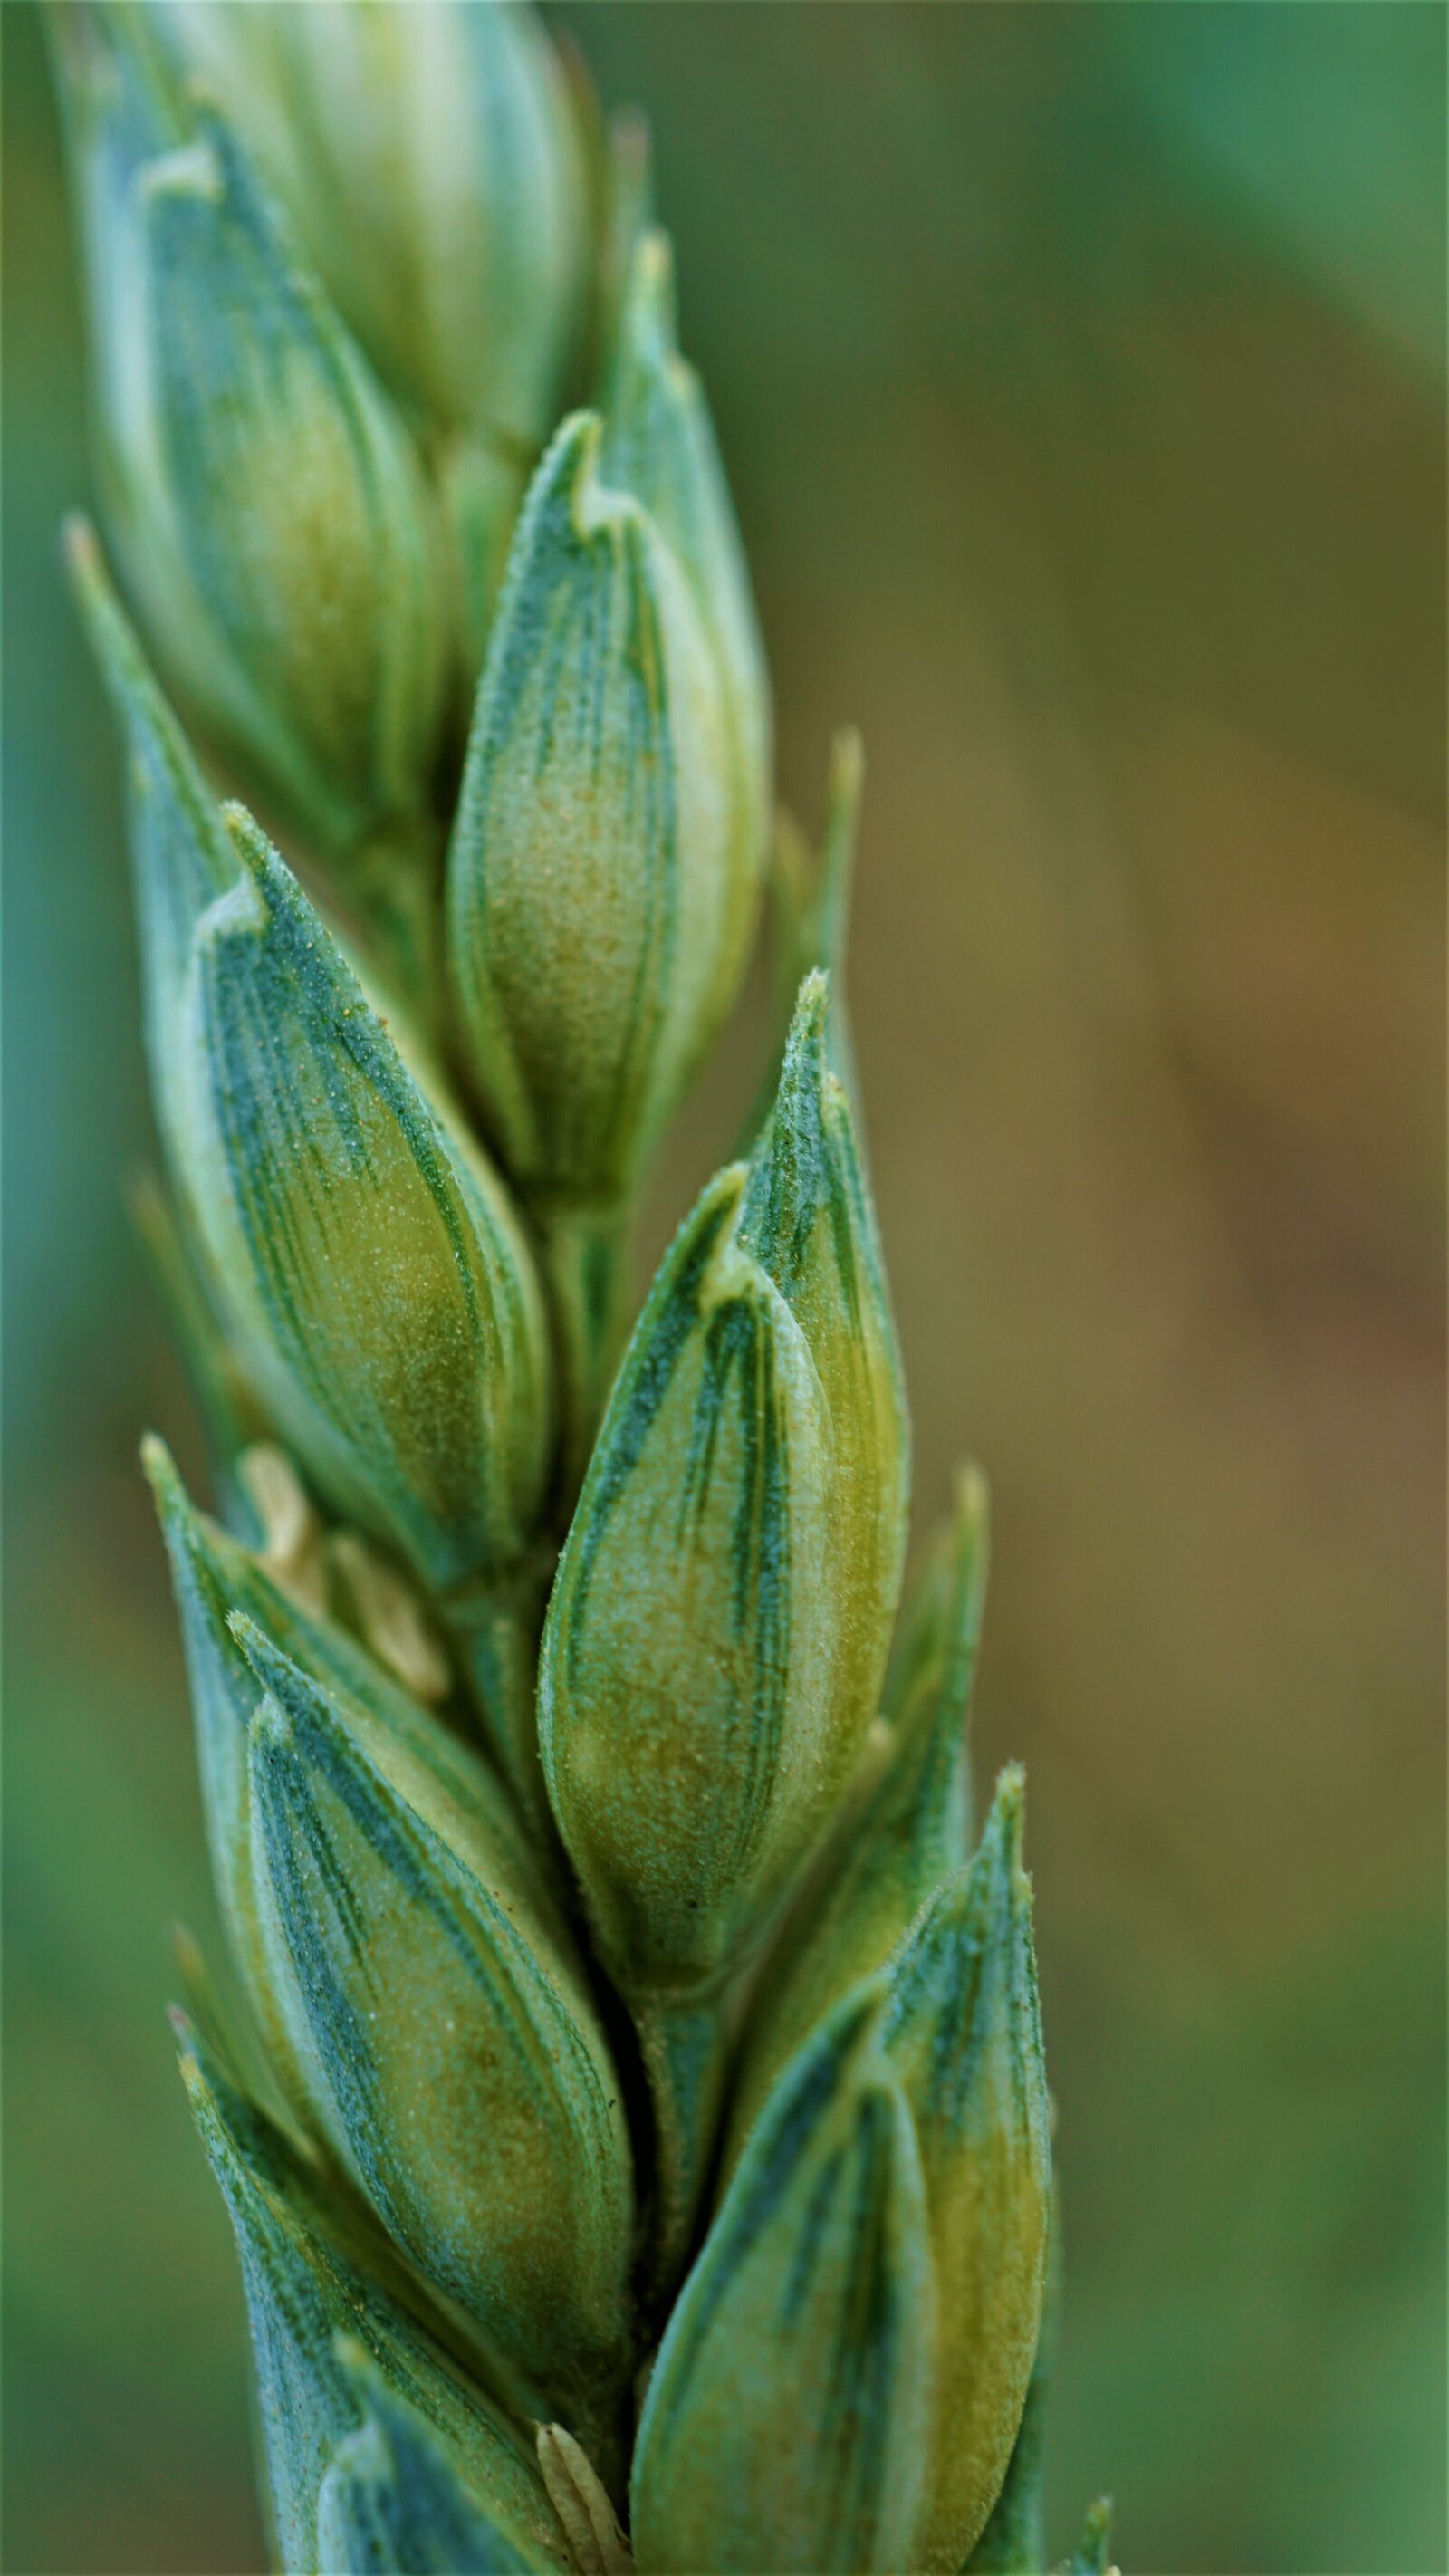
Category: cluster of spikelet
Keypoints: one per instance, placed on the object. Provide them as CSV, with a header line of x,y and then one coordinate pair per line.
x,y
629,2098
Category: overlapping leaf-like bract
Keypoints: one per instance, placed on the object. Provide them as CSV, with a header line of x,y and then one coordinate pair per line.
x,y
617,780
313,2275
914,2119
720,1622
718,1631
430,160
819,2268
645,2119
433,165
430,2001
271,513
378,1277
217,1581
963,2033
374,1270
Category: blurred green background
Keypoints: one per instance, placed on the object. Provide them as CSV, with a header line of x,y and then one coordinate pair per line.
x,y
1081,375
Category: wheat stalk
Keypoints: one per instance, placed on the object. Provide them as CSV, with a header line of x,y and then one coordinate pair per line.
x,y
632,2107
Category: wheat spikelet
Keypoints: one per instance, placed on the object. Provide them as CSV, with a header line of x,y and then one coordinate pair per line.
x,y
633,2115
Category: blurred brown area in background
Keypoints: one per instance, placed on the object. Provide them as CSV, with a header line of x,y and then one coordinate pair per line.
x,y
1080,373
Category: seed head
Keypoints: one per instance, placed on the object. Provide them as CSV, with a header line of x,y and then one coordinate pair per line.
x,y
312,2276
431,1999
269,506
377,1278
628,2023
616,778
429,157
963,2035
719,1624
789,2416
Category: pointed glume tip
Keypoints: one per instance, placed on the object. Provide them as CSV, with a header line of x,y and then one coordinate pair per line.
x,y
157,1464
812,1004
1007,1820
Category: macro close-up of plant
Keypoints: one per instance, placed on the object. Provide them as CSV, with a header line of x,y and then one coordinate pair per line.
x,y
626,2078
723,1140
